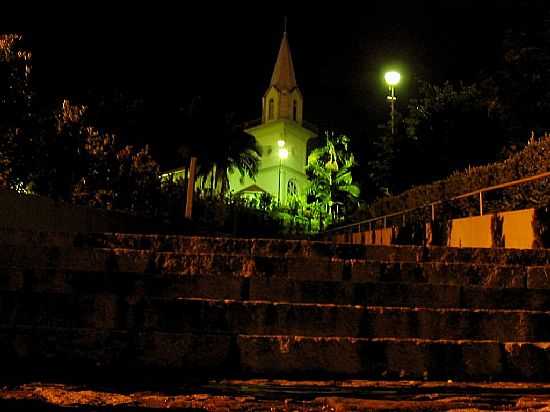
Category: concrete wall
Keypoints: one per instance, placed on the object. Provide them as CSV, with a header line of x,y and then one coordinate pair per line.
x,y
518,229
475,231
383,236
380,236
472,231
37,213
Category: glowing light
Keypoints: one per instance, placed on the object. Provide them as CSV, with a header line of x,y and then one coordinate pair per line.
x,y
392,78
281,143
283,153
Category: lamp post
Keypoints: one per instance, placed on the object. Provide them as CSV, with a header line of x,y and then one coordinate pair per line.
x,y
283,154
392,79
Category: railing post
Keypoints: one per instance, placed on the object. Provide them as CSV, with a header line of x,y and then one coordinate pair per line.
x,y
433,212
384,222
190,188
480,203
403,224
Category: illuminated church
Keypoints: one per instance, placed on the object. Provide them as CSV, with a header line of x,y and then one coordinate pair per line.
x,y
282,136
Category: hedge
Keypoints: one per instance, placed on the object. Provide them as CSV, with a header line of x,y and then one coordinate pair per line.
x,y
532,160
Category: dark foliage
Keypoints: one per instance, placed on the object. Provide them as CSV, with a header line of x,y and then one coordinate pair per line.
x,y
533,160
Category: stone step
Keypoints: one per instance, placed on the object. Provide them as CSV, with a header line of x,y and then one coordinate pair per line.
x,y
175,285
289,357
270,318
17,237
273,318
389,294
27,259
277,247
250,247
392,358
83,349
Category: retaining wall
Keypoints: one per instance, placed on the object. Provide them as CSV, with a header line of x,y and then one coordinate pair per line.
x,y
507,229
38,213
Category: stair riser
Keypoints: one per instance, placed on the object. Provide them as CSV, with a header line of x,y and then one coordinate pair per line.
x,y
252,356
217,317
398,294
295,268
275,289
66,311
318,320
15,237
271,247
283,356
160,285
277,268
319,249
122,350
249,247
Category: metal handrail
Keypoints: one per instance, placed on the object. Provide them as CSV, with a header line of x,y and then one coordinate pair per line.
x,y
433,204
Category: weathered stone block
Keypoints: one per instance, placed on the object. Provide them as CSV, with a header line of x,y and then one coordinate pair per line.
x,y
538,277
507,277
528,360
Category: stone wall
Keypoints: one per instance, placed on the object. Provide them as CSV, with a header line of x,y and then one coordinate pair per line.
x,y
38,213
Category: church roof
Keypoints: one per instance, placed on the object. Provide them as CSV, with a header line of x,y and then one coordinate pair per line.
x,y
283,74
251,188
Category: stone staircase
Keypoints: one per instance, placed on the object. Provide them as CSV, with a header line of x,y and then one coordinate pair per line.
x,y
220,307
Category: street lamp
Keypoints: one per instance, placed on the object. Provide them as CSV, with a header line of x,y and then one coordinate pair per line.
x,y
283,154
392,79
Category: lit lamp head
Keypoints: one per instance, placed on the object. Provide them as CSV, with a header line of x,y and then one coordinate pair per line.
x,y
283,153
392,78
281,143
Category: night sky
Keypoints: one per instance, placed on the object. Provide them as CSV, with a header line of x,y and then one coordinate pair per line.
x,y
156,59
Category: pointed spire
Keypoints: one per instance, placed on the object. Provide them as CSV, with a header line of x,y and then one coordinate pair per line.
x,y
283,74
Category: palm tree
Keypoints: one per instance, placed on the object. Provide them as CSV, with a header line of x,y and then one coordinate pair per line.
x,y
233,151
220,144
329,170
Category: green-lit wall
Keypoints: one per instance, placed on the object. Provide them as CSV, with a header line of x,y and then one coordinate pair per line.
x,y
293,167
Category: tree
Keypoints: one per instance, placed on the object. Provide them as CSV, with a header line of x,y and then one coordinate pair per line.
x,y
449,127
445,128
329,171
519,87
18,148
102,173
234,151
220,144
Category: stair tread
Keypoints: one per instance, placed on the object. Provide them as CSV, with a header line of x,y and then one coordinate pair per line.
x,y
375,308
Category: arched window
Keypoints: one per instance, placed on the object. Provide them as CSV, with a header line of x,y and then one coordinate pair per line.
x,y
270,109
292,188
294,110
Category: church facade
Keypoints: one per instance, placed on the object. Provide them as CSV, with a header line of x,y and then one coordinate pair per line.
x,y
281,135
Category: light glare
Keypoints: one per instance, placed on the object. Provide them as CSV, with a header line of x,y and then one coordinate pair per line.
x,y
283,153
392,78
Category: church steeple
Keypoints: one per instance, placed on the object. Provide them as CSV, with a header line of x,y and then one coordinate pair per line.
x,y
281,126
283,99
283,74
